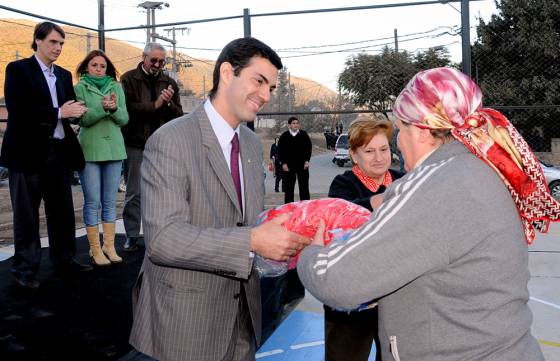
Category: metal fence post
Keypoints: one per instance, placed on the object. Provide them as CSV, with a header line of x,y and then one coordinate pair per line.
x,y
466,37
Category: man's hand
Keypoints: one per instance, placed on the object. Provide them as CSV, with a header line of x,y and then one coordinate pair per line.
x,y
285,168
72,109
273,241
306,165
165,97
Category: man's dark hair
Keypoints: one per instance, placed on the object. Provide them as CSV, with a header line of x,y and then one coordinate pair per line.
x,y
42,30
291,119
238,53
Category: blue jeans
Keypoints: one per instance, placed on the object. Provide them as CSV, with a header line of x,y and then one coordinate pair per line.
x,y
100,184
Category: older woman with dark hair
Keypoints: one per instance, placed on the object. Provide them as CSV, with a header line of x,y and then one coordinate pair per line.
x,y
446,252
349,335
103,146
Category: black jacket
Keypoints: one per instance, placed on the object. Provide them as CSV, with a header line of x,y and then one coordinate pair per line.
x,y
294,151
32,118
349,187
144,118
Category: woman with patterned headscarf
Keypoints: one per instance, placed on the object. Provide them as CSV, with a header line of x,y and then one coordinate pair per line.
x,y
446,252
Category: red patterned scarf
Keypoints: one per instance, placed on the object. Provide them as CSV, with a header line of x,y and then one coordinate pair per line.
x,y
444,98
371,183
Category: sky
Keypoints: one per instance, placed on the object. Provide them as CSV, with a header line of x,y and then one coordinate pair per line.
x,y
313,46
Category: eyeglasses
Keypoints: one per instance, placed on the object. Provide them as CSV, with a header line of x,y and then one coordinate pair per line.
x,y
155,61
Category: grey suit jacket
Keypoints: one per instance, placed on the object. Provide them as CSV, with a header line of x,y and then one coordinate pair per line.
x,y
187,295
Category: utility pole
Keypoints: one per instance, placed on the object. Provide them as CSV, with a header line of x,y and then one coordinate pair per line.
x,y
88,42
17,54
175,65
289,92
203,86
151,7
396,41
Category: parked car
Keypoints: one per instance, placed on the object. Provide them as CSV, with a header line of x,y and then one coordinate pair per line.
x,y
342,154
552,175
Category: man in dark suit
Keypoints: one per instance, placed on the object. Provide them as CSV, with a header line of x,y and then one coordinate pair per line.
x,y
294,151
198,294
40,151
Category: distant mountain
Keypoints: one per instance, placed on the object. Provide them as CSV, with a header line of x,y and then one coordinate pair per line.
x,y
17,35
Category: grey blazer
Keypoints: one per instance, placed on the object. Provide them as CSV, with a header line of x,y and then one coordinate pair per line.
x,y
187,295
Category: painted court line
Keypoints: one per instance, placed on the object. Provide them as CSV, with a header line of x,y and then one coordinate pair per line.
x,y
268,353
307,344
545,302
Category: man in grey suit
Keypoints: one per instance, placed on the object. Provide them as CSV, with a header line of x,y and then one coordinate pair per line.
x,y
198,296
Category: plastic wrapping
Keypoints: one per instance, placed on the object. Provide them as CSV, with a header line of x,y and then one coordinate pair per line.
x,y
341,217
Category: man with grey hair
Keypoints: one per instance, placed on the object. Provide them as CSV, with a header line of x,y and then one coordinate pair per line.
x,y
152,99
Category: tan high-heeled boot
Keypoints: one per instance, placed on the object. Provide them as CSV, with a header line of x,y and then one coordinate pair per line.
x,y
97,257
109,243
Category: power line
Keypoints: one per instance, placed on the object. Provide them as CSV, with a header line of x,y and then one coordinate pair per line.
x,y
363,47
364,41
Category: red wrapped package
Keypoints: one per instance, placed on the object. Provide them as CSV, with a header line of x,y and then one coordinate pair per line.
x,y
339,215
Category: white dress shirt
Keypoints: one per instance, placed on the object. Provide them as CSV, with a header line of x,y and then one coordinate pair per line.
x,y
48,72
224,132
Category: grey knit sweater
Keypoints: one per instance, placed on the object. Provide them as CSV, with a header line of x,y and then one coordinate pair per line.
x,y
447,256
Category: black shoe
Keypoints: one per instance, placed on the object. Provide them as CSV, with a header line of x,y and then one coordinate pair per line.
x,y
131,244
71,267
27,282
40,313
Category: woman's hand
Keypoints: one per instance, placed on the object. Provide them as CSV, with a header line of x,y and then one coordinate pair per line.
x,y
110,102
375,201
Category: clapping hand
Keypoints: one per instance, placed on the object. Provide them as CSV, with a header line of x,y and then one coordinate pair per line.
x,y
110,102
165,97
72,109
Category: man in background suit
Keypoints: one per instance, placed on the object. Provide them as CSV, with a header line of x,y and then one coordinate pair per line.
x,y
198,296
41,150
294,152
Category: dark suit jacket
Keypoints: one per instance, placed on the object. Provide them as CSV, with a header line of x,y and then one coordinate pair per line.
x,y
32,118
294,151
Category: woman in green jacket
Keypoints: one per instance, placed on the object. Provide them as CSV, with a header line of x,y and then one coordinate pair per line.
x,y
103,146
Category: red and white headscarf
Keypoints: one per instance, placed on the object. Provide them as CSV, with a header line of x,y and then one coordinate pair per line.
x,y
445,98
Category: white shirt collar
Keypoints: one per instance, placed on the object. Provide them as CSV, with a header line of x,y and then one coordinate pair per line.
x,y
293,133
221,128
44,68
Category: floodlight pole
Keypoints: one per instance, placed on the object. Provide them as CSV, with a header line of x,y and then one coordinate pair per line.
x,y
151,7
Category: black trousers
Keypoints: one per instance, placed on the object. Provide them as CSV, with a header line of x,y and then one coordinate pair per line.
x,y
278,177
289,179
52,185
349,336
